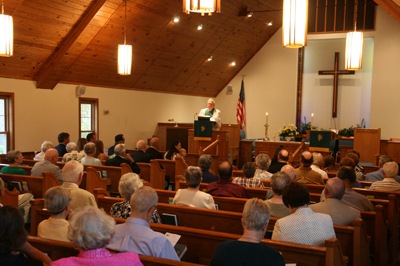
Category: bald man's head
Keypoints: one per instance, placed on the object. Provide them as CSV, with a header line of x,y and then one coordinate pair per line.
x,y
51,155
306,159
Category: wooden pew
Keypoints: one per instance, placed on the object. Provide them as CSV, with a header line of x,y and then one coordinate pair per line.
x,y
10,198
173,167
392,218
376,228
27,168
58,249
37,185
354,241
202,244
214,220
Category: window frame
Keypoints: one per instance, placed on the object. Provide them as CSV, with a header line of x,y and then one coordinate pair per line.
x,y
94,102
9,119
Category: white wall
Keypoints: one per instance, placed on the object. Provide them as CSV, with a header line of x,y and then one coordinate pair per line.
x,y
385,111
354,91
270,86
372,93
42,114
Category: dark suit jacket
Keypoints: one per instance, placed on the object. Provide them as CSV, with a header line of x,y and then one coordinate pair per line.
x,y
155,154
117,160
208,177
141,157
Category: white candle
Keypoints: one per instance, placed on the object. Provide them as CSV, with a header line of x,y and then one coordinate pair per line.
x,y
266,118
312,120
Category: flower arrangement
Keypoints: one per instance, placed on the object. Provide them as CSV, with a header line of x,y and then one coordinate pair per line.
x,y
349,132
288,130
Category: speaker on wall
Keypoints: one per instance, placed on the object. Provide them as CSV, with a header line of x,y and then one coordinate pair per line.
x,y
80,90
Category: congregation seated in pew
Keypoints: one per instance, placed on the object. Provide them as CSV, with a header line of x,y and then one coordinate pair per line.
x,y
72,175
205,161
224,186
43,148
14,248
56,201
302,225
247,250
136,235
304,174
263,162
279,182
121,156
48,165
14,158
340,212
91,230
350,197
128,184
72,153
90,151
192,196
248,179
389,183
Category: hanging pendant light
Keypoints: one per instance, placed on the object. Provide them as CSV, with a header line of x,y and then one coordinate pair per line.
x,y
202,6
124,54
294,23
354,45
6,33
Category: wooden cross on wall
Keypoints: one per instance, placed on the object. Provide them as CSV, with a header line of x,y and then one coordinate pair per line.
x,y
335,72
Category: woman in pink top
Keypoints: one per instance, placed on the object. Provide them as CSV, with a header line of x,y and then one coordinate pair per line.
x,y
91,230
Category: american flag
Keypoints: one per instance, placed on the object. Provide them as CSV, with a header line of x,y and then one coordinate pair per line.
x,y
241,108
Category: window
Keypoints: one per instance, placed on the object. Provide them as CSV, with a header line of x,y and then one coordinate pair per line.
x,y
6,122
88,116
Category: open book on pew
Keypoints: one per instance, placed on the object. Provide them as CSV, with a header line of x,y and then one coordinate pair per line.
x,y
179,248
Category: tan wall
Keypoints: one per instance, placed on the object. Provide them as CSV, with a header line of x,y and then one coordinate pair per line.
x,y
42,114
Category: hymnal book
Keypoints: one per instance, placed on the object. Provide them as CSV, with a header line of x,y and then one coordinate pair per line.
x,y
179,248
168,218
25,187
206,118
17,185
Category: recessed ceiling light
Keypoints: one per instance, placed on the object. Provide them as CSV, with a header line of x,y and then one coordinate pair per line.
x,y
210,58
200,27
250,14
176,19
233,64
269,24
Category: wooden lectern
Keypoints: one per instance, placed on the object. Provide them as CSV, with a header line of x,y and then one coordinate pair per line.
x,y
367,141
220,148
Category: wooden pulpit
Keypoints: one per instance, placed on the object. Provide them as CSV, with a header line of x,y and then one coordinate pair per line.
x,y
367,141
220,149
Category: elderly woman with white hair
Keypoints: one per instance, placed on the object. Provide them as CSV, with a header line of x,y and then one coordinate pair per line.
x,y
128,184
90,150
45,146
213,113
263,162
91,230
72,153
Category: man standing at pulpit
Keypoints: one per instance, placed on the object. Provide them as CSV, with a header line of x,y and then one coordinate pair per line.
x,y
213,113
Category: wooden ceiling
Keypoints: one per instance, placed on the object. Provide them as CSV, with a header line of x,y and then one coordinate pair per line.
x,y
75,42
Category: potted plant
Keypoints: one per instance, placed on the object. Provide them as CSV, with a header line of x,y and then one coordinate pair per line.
x,y
288,132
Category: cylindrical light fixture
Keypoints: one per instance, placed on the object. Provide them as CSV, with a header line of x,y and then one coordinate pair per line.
x,y
202,6
124,54
294,23
6,34
354,45
124,59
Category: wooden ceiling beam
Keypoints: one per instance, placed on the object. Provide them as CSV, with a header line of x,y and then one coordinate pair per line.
x,y
46,78
390,7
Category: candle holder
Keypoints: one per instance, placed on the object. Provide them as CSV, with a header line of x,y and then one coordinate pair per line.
x,y
266,130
